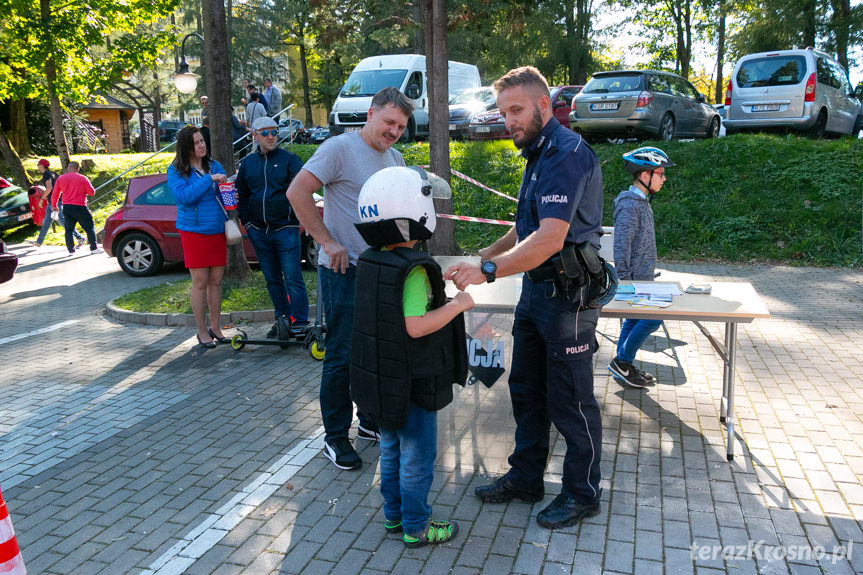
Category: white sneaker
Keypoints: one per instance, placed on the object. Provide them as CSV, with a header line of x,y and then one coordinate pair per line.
x,y
33,243
97,251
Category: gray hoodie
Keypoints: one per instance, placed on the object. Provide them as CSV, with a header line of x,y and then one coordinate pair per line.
x,y
634,238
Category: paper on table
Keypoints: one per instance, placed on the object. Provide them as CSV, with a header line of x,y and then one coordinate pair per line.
x,y
649,303
657,288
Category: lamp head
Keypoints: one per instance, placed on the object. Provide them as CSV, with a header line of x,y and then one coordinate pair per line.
x,y
184,80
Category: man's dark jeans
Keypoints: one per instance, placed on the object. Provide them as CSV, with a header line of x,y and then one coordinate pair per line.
x,y
337,293
279,259
79,215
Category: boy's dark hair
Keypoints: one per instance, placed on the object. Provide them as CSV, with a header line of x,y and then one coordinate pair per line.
x,y
185,145
393,97
526,77
251,88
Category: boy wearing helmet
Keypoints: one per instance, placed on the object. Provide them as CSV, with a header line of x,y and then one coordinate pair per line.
x,y
407,346
635,253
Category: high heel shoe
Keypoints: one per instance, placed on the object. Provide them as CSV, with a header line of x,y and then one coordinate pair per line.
x,y
216,338
208,345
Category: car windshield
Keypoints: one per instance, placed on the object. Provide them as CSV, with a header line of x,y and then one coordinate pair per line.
x,y
370,82
9,196
482,96
771,71
608,84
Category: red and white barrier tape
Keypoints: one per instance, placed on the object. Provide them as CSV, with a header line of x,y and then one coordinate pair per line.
x,y
476,183
478,220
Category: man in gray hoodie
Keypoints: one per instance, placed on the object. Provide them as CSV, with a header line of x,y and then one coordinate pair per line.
x,y
635,253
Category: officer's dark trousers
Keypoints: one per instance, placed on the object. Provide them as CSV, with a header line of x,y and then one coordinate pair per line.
x,y
552,382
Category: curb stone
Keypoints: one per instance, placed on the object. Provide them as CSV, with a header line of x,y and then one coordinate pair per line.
x,y
187,319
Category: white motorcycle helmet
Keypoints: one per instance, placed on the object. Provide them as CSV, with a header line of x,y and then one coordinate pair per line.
x,y
396,205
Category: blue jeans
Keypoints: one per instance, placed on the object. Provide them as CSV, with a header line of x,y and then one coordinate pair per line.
x,y
337,293
551,381
79,215
46,223
279,259
633,334
407,469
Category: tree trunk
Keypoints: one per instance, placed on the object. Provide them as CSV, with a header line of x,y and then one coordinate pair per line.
x,y
217,66
809,23
840,21
687,28
571,42
720,54
18,123
19,175
437,80
307,98
582,27
53,99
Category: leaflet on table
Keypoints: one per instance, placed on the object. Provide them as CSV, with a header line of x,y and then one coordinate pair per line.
x,y
651,288
650,302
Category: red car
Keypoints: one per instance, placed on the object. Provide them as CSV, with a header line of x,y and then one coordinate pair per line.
x,y
8,263
491,126
143,233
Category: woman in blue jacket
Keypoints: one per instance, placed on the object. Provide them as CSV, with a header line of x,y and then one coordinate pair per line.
x,y
193,178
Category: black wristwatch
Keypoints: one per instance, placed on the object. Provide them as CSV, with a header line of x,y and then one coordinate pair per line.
x,y
489,268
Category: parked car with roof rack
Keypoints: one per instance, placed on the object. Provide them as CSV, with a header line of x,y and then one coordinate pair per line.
x,y
642,104
801,90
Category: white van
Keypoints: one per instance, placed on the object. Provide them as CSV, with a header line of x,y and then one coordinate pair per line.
x,y
804,90
407,72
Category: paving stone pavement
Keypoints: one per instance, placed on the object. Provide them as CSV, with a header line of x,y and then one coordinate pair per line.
x,y
125,449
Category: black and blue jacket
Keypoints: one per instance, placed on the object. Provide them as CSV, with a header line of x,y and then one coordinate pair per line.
x,y
261,184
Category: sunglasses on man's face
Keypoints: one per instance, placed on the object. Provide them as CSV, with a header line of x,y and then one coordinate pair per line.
x,y
266,133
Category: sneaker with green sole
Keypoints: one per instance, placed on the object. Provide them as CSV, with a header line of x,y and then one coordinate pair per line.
x,y
393,526
435,533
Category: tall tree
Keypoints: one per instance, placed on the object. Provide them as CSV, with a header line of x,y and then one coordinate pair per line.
x,y
56,43
437,82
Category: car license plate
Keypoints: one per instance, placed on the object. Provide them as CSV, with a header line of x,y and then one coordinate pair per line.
x,y
483,129
26,216
451,127
604,106
766,108
351,128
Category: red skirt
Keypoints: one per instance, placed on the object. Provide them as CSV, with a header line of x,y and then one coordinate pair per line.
x,y
203,250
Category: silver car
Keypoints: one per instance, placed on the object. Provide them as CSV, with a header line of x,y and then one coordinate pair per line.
x,y
803,90
642,104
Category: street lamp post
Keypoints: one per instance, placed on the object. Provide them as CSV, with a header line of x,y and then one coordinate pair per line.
x,y
184,80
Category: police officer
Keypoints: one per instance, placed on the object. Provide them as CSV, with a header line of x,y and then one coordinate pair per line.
x,y
551,380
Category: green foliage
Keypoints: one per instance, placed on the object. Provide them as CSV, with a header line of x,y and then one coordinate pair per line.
x,y
744,198
173,297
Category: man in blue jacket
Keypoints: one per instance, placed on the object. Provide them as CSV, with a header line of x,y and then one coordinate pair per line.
x,y
271,223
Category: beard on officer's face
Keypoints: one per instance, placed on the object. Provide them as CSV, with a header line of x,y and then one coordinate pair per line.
x,y
529,132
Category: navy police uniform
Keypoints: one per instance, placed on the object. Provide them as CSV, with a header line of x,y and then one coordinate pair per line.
x,y
554,340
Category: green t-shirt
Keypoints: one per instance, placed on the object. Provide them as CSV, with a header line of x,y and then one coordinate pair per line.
x,y
416,294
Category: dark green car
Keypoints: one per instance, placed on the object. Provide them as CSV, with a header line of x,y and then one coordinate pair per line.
x,y
14,205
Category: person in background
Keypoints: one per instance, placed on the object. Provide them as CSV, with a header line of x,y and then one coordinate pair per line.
x,y
205,108
74,188
272,225
47,181
192,178
635,253
205,132
274,99
251,89
342,165
254,110
238,131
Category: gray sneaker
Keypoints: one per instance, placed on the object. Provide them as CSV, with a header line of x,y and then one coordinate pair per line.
x,y
97,251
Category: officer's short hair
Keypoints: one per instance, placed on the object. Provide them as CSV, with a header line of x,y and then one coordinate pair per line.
x,y
392,96
526,77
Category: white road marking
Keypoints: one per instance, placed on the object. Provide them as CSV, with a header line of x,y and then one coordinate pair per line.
x,y
56,326
216,525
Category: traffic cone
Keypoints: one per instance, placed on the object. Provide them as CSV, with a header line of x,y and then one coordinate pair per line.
x,y
11,562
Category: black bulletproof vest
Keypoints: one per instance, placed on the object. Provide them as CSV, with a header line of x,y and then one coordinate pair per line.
x,y
389,368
